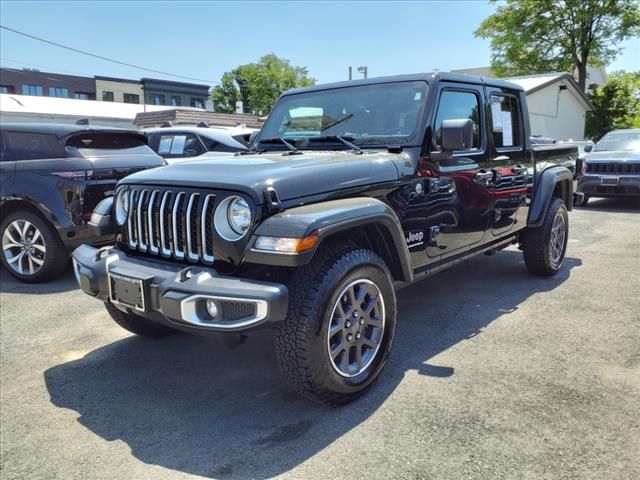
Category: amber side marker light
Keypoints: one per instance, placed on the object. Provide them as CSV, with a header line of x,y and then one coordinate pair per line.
x,y
286,245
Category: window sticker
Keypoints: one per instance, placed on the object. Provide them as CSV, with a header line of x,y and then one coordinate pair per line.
x,y
177,148
496,113
507,131
165,144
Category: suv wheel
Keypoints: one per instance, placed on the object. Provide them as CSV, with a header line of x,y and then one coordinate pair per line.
x,y
31,248
137,324
545,247
340,325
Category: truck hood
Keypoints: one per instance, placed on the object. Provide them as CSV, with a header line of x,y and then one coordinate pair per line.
x,y
292,176
612,156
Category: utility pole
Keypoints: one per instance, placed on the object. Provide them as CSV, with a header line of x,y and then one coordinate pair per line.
x,y
350,73
364,71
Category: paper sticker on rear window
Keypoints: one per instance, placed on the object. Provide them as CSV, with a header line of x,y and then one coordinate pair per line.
x,y
177,148
165,144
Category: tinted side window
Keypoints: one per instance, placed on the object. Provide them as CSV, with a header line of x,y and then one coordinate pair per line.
x,y
5,152
213,146
34,146
505,121
455,105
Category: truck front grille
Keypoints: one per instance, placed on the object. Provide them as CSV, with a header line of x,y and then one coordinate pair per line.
x,y
614,167
171,223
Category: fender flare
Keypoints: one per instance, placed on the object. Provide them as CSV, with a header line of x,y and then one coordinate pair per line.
x,y
326,219
545,185
40,207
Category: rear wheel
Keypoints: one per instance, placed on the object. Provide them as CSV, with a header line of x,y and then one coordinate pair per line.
x,y
544,247
340,325
137,324
31,248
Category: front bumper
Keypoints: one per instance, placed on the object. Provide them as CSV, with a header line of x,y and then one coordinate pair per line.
x,y
596,185
177,295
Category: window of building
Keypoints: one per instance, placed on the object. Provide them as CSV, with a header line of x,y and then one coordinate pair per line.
x,y
505,121
6,89
197,102
456,105
82,96
130,98
107,96
59,92
156,99
32,90
175,101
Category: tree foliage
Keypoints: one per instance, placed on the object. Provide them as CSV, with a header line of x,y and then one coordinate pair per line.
x,y
258,85
536,36
616,104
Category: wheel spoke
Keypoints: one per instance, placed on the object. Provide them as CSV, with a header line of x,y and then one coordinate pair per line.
x,y
37,260
39,247
30,264
374,322
358,357
373,301
10,235
10,245
36,236
367,342
25,228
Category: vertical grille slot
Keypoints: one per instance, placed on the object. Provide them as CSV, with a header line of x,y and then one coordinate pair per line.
x,y
174,224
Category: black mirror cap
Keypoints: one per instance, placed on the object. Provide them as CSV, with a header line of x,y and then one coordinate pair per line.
x,y
588,148
457,134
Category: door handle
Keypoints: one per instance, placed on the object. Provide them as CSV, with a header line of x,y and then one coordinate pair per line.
x,y
483,177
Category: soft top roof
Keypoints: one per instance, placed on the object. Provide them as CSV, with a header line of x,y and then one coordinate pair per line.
x,y
60,130
427,77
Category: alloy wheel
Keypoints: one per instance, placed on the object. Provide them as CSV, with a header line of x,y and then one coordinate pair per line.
x,y
23,247
357,323
558,239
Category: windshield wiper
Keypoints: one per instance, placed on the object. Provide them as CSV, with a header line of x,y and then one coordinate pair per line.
x,y
337,122
292,149
344,141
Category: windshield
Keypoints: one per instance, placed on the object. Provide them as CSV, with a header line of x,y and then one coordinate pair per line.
x,y
371,115
618,141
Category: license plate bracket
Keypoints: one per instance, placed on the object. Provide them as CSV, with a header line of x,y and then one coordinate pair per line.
x,y
128,289
609,181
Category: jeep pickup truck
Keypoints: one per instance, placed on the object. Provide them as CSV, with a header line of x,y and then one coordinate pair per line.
x,y
349,192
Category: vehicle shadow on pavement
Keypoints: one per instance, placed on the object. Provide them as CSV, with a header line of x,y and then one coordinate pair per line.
x,y
195,405
66,282
616,205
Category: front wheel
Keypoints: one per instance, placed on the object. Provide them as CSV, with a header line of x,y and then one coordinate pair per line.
x,y
340,325
545,247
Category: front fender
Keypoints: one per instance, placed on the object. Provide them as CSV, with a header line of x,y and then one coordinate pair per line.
x,y
326,219
545,186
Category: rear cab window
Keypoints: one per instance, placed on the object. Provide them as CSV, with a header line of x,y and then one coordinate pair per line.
x,y
100,144
505,122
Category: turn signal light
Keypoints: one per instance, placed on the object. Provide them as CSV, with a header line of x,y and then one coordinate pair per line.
x,y
286,245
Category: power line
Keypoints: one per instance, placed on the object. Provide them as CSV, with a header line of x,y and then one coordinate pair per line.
x,y
101,57
49,67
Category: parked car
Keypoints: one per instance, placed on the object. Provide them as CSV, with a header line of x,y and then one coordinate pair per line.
x,y
584,147
182,143
52,177
349,191
613,166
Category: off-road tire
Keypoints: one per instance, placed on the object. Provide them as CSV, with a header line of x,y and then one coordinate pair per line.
x,y
536,245
301,339
56,257
137,324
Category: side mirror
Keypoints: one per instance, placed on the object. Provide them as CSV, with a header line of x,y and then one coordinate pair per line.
x,y
457,134
100,222
588,148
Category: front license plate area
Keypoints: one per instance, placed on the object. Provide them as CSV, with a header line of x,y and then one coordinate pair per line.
x,y
128,291
609,181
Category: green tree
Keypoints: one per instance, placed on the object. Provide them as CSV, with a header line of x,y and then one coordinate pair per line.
x,y
616,104
259,84
535,36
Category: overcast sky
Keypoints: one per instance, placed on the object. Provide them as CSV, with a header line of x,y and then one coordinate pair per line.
x,y
205,39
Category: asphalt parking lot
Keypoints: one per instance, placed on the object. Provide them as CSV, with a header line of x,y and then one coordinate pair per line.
x,y
495,374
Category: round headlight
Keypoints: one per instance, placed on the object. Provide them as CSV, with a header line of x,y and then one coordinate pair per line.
x,y
122,206
239,215
232,218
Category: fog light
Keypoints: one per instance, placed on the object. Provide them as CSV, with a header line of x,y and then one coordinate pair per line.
x,y
212,308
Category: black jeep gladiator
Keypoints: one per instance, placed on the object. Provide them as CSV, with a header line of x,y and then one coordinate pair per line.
x,y
350,191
